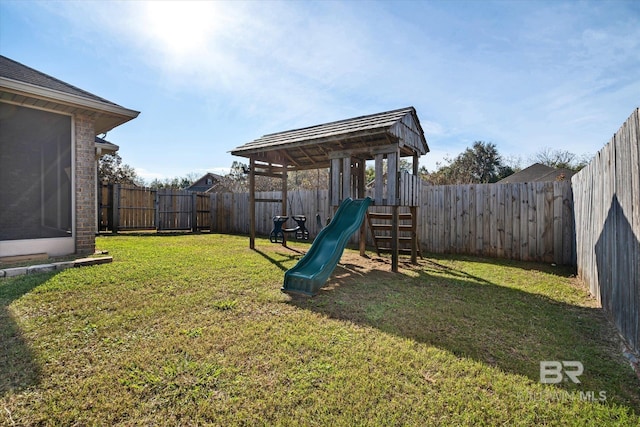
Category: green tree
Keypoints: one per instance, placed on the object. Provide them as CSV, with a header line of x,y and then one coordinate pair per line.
x,y
311,179
175,183
369,174
480,163
404,165
111,170
561,159
237,180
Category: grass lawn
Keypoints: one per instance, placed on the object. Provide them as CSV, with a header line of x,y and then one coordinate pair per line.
x,y
193,329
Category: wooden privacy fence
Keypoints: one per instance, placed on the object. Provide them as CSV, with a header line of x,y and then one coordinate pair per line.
x,y
520,221
124,208
128,208
607,205
232,210
528,221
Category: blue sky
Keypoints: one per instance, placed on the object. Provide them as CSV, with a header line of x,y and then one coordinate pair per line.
x,y
209,76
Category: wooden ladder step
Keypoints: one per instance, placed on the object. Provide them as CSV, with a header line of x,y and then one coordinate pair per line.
x,y
377,215
388,227
401,250
403,239
382,243
381,226
388,216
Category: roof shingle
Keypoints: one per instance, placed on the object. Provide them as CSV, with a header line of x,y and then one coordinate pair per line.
x,y
309,147
16,71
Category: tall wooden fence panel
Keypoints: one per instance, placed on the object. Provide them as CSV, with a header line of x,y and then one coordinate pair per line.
x,y
134,207
528,221
519,221
230,211
607,205
123,208
175,210
202,211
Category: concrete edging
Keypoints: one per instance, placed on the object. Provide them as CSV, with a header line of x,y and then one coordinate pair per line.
x,y
55,266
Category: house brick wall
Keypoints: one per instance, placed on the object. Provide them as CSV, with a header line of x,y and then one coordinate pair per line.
x,y
85,184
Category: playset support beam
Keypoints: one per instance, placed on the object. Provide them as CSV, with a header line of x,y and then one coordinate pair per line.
x,y
252,203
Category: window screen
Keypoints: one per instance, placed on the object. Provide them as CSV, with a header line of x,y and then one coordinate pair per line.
x,y
35,174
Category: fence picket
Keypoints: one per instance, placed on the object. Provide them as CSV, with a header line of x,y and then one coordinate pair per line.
x,y
519,221
607,205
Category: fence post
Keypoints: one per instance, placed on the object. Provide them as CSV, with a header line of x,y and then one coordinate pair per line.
x,y
156,205
414,234
194,212
212,212
99,203
115,206
394,238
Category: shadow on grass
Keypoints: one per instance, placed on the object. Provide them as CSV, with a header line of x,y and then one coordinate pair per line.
x,y
471,317
18,367
549,268
285,257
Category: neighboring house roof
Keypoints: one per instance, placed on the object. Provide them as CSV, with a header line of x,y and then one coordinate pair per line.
x,y
538,172
105,147
205,184
309,147
23,85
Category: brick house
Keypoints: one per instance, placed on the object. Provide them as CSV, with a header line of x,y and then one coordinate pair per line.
x,y
48,159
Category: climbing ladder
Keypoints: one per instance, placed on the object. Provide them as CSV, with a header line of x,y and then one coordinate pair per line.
x,y
380,225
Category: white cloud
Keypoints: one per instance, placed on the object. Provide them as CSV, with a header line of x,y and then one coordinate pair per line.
x,y
269,57
535,74
149,175
432,128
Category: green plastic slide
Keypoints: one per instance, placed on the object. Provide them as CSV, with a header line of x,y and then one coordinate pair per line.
x,y
313,269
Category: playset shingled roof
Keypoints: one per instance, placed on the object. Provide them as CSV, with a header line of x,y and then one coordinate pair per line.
x,y
311,147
